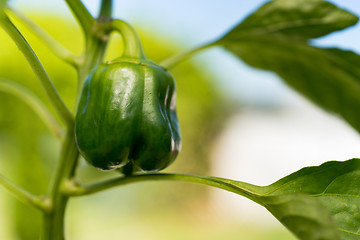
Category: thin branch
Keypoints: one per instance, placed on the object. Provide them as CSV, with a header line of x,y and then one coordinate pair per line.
x,y
38,69
60,51
72,188
35,103
176,59
82,15
23,195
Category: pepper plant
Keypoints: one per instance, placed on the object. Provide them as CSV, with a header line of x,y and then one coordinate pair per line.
x,y
125,116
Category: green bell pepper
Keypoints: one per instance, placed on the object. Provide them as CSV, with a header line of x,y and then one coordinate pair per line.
x,y
126,117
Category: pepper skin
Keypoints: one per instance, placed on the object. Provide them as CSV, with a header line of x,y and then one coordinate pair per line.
x,y
126,117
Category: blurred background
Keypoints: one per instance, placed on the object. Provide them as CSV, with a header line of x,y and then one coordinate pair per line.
x,y
236,122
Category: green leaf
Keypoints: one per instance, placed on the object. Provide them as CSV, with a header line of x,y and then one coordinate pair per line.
x,y
312,201
336,185
275,38
328,77
305,216
315,203
296,19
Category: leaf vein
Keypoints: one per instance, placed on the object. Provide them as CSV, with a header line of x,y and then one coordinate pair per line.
x,y
288,25
335,195
343,230
297,179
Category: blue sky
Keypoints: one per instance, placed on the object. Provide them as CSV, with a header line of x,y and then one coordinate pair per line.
x,y
191,23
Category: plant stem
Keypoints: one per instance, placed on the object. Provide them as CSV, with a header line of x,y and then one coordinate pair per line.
x,y
132,43
176,59
245,189
106,9
60,51
29,98
82,15
54,220
96,44
38,69
93,55
23,195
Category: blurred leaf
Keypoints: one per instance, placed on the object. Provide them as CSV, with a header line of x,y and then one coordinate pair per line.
x,y
274,38
296,20
313,200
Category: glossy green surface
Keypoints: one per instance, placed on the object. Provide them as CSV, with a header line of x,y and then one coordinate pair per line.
x,y
126,115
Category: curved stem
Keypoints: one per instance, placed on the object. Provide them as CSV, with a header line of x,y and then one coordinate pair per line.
x,y
60,51
23,195
82,15
132,43
38,69
247,190
176,59
35,103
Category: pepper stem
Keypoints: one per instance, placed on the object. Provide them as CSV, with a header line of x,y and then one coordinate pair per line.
x,y
132,43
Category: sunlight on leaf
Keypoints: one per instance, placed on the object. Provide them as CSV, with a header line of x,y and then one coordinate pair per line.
x,y
274,38
336,185
314,203
296,20
305,200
